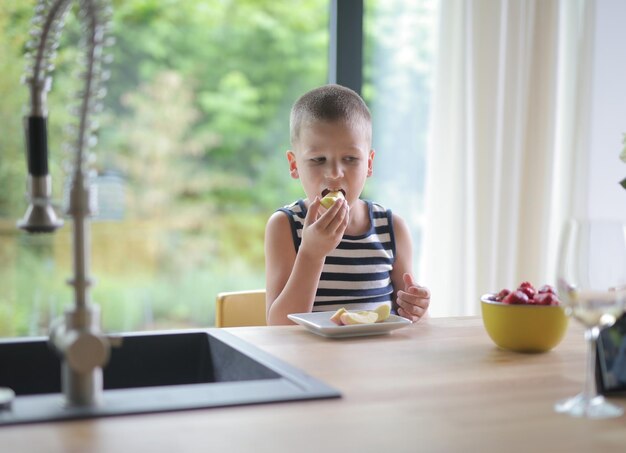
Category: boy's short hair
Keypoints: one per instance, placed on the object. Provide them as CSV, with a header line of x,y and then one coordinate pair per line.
x,y
330,103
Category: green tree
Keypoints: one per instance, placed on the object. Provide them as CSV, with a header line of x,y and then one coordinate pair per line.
x,y
196,121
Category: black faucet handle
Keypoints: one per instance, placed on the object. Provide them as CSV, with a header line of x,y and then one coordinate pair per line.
x,y
36,128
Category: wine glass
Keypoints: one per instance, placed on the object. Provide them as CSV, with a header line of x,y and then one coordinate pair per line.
x,y
591,283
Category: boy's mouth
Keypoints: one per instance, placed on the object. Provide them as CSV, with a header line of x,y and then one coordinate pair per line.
x,y
327,191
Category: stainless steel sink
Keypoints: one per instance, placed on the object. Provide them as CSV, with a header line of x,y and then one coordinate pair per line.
x,y
154,372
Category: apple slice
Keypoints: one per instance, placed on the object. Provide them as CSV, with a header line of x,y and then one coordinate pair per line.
x,y
383,312
364,317
331,198
336,317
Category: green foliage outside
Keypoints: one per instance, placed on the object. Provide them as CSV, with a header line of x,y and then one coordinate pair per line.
x,y
196,123
195,127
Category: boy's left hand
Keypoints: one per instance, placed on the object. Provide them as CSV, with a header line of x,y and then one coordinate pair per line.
x,y
413,301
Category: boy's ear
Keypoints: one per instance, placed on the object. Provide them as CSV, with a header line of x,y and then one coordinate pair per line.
x,y
293,166
370,163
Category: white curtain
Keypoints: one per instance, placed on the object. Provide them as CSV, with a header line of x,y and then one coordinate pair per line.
x,y
508,131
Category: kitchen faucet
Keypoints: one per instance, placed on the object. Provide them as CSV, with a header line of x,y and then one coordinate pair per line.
x,y
77,337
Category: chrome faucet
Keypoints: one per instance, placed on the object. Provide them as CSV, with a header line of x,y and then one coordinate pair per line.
x,y
77,337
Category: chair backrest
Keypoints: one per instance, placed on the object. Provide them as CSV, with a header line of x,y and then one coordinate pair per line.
x,y
240,308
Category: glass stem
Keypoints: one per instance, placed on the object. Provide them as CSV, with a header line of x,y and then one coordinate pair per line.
x,y
590,390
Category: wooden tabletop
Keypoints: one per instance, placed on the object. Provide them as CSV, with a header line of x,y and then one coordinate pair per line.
x,y
437,386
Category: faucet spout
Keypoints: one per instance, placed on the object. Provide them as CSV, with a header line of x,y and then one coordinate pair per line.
x,y
40,216
77,337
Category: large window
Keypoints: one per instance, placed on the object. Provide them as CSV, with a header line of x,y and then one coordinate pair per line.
x,y
190,157
191,147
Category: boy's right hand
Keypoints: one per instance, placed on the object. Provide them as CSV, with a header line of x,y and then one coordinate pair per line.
x,y
322,233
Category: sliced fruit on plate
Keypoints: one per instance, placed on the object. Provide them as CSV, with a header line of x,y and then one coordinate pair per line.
x,y
364,317
383,312
336,317
344,317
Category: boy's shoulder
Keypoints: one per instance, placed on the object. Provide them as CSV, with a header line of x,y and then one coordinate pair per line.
x,y
376,206
297,208
377,210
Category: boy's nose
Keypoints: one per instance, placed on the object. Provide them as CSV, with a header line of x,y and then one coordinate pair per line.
x,y
335,171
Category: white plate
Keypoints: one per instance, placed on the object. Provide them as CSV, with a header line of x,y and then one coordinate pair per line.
x,y
320,324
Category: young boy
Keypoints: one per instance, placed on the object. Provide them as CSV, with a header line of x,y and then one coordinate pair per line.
x,y
354,254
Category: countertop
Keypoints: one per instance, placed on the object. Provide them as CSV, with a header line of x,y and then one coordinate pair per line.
x,y
439,385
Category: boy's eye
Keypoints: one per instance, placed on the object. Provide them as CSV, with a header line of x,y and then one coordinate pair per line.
x,y
351,159
318,160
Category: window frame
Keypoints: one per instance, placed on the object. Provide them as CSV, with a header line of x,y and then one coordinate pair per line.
x,y
345,48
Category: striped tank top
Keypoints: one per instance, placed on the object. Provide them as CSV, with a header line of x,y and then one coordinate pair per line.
x,y
357,274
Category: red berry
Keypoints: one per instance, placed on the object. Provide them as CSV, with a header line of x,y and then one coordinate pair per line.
x,y
546,299
547,289
527,289
516,298
554,300
533,300
526,285
502,294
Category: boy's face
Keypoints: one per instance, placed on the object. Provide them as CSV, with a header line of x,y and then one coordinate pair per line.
x,y
330,156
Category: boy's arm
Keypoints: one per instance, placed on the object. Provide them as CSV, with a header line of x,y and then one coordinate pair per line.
x,y
281,263
410,299
292,279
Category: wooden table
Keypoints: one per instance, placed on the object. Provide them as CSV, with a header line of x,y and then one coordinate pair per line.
x,y
436,386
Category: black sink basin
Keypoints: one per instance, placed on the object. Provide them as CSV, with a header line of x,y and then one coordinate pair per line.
x,y
154,372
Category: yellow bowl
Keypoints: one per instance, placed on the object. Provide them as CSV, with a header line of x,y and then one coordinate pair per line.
x,y
523,328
